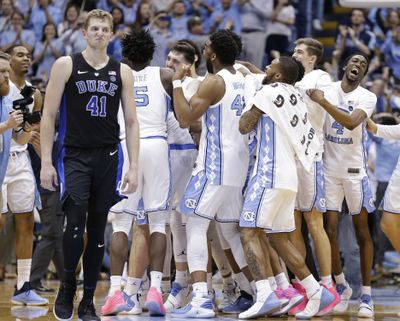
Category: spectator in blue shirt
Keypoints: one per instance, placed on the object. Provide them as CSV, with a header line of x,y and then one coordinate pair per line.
x,y
71,14
227,17
391,51
41,13
144,15
17,35
6,10
114,48
202,8
47,51
129,8
179,20
159,30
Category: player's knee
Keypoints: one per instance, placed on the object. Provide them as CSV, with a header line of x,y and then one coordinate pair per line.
x,y
246,234
122,223
157,222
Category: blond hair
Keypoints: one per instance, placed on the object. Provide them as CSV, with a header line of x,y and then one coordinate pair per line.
x,y
4,56
99,14
314,47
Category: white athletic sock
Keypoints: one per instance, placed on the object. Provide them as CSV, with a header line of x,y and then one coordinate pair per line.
x,y
181,277
166,286
272,283
155,280
327,281
366,290
282,281
263,289
132,285
200,289
340,279
115,284
243,283
23,272
209,282
311,285
253,287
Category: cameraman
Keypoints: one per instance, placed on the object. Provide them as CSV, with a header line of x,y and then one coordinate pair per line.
x,y
19,186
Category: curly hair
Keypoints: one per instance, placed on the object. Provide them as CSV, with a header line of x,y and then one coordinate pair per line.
x,y
236,38
138,46
224,46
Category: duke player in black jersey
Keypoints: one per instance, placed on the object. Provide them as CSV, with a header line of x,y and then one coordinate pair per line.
x,y
87,89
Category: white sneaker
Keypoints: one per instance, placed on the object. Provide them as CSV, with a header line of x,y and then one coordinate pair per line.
x,y
197,308
345,293
263,306
228,297
136,306
366,308
177,298
316,303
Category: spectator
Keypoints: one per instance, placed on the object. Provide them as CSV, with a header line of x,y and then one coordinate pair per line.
x,y
254,17
378,87
395,101
41,13
6,10
47,51
17,35
129,8
202,8
144,15
227,17
114,47
196,31
71,14
391,52
354,38
107,5
179,20
159,30
385,27
73,38
279,29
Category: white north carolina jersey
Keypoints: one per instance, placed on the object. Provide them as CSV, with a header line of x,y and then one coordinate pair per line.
x,y
176,134
315,79
152,102
275,165
14,94
345,155
223,151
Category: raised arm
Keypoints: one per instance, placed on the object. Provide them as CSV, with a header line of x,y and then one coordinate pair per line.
x,y
349,121
59,75
130,182
384,131
211,90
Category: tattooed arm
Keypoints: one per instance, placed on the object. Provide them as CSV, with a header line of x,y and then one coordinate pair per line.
x,y
249,119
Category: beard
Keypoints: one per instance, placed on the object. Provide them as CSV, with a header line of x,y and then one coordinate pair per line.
x,y
209,66
4,88
267,80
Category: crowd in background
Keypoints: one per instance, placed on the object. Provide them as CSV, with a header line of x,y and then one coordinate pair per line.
x,y
52,28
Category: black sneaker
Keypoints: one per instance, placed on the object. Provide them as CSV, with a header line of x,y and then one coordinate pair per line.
x,y
86,311
64,304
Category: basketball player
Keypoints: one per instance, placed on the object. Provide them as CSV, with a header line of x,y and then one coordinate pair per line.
x,y
153,89
390,222
311,193
89,87
283,132
214,191
19,190
348,105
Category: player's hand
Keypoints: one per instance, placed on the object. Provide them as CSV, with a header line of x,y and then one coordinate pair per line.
x,y
15,119
48,177
371,126
35,141
181,72
316,95
130,182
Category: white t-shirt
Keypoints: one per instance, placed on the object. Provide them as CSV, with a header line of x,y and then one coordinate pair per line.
x,y
316,79
345,154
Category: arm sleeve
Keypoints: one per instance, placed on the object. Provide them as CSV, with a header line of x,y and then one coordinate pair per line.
x,y
388,131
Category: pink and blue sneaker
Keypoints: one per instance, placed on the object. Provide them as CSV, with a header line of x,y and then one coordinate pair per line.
x,y
154,303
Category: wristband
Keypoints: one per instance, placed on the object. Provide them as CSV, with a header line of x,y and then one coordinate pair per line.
x,y
176,84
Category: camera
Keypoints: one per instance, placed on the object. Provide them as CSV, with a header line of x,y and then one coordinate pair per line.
x,y
22,105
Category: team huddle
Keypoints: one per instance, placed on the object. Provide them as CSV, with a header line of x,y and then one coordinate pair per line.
x,y
228,163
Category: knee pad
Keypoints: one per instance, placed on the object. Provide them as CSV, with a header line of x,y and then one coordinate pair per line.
x,y
157,222
197,247
122,222
230,232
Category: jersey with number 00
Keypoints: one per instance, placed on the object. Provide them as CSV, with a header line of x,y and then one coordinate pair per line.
x,y
315,79
223,151
152,102
345,154
89,107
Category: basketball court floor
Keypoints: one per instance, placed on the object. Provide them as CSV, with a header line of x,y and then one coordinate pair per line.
x,y
387,305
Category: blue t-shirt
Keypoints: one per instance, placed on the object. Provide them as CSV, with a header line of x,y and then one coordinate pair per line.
x,y
5,109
